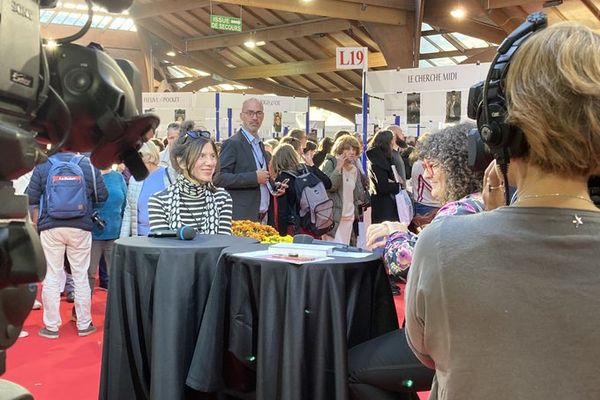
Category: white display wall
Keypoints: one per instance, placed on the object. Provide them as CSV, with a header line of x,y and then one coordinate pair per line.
x,y
422,99
220,112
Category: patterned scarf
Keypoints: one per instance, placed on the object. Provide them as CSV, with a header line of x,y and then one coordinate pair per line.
x,y
180,192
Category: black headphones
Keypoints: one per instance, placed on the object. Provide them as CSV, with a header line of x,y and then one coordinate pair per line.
x,y
502,139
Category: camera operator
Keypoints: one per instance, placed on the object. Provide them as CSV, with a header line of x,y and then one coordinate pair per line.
x,y
509,308
52,189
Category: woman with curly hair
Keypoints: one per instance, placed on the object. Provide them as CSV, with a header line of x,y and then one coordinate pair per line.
x,y
379,368
453,183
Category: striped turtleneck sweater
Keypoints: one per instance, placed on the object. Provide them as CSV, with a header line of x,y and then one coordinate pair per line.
x,y
204,207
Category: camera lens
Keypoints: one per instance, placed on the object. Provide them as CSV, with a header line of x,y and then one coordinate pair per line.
x,y
78,80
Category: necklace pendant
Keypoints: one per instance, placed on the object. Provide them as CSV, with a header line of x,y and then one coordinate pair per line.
x,y
577,221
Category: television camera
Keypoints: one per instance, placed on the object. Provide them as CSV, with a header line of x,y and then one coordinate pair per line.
x,y
72,98
494,138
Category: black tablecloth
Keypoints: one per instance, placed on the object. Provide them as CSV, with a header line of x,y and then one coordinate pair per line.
x,y
158,291
291,324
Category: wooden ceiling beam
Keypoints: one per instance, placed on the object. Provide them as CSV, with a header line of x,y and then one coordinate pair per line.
x,y
346,94
395,42
485,55
149,10
492,4
455,53
407,5
278,32
331,8
200,83
592,7
471,28
298,68
346,111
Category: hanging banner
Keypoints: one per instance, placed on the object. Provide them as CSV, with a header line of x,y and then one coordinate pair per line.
x,y
154,100
426,79
351,58
225,23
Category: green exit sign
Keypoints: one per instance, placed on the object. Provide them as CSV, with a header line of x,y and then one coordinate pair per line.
x,y
225,23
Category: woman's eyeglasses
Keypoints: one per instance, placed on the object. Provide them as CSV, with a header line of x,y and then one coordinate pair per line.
x,y
429,166
197,135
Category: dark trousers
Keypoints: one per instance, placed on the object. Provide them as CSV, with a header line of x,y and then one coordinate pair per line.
x,y
385,368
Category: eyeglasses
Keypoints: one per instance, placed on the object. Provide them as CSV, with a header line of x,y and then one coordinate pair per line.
x,y
253,114
429,166
197,134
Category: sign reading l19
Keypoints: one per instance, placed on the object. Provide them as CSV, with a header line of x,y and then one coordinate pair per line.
x,y
351,58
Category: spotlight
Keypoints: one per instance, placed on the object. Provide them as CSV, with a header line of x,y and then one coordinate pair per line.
x,y
458,13
171,53
250,43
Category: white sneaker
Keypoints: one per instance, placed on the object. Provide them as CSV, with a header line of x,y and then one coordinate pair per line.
x,y
36,305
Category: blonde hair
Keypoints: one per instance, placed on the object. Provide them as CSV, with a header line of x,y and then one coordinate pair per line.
x,y
285,158
149,153
344,143
553,87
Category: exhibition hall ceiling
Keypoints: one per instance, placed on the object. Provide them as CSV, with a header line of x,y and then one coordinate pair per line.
x,y
289,47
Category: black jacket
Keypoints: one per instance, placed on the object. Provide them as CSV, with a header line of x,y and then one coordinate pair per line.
x,y
382,186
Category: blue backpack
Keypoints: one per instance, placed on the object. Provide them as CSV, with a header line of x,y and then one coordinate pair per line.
x,y
66,191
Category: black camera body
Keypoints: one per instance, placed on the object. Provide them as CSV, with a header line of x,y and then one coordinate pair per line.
x,y
487,103
73,97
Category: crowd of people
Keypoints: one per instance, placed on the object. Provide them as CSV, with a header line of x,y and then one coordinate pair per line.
x,y
491,290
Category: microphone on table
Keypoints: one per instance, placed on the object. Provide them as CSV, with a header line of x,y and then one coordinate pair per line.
x,y
183,233
307,239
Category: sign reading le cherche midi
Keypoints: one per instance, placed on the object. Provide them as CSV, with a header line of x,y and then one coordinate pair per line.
x,y
225,23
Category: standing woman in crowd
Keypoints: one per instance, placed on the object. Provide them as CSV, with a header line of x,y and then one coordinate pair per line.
x,y
193,200
383,185
135,217
325,146
107,229
286,165
347,191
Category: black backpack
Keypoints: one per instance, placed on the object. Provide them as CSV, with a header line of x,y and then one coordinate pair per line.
x,y
315,207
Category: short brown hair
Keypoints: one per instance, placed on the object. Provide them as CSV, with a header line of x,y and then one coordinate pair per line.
x,y
553,92
343,143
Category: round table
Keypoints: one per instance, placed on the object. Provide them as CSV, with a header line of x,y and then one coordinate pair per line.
x,y
157,295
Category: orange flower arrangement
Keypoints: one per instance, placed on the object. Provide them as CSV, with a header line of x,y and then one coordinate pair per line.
x,y
263,233
252,229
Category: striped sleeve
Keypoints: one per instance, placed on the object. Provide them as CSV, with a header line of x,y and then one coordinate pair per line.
x,y
225,212
157,214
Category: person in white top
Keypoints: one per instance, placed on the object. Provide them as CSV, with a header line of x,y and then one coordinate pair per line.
x,y
173,133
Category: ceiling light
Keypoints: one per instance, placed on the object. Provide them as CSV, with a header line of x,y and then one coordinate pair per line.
x,y
250,43
171,53
458,13
51,44
261,43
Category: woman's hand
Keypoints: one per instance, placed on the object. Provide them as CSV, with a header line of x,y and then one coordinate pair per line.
x,y
377,234
340,161
308,159
493,187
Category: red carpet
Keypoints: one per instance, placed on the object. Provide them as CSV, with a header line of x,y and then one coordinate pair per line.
x,y
65,368
69,367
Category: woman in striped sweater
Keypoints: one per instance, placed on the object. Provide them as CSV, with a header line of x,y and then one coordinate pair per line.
x,y
192,200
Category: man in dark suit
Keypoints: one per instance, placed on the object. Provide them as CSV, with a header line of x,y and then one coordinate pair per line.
x,y
244,166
